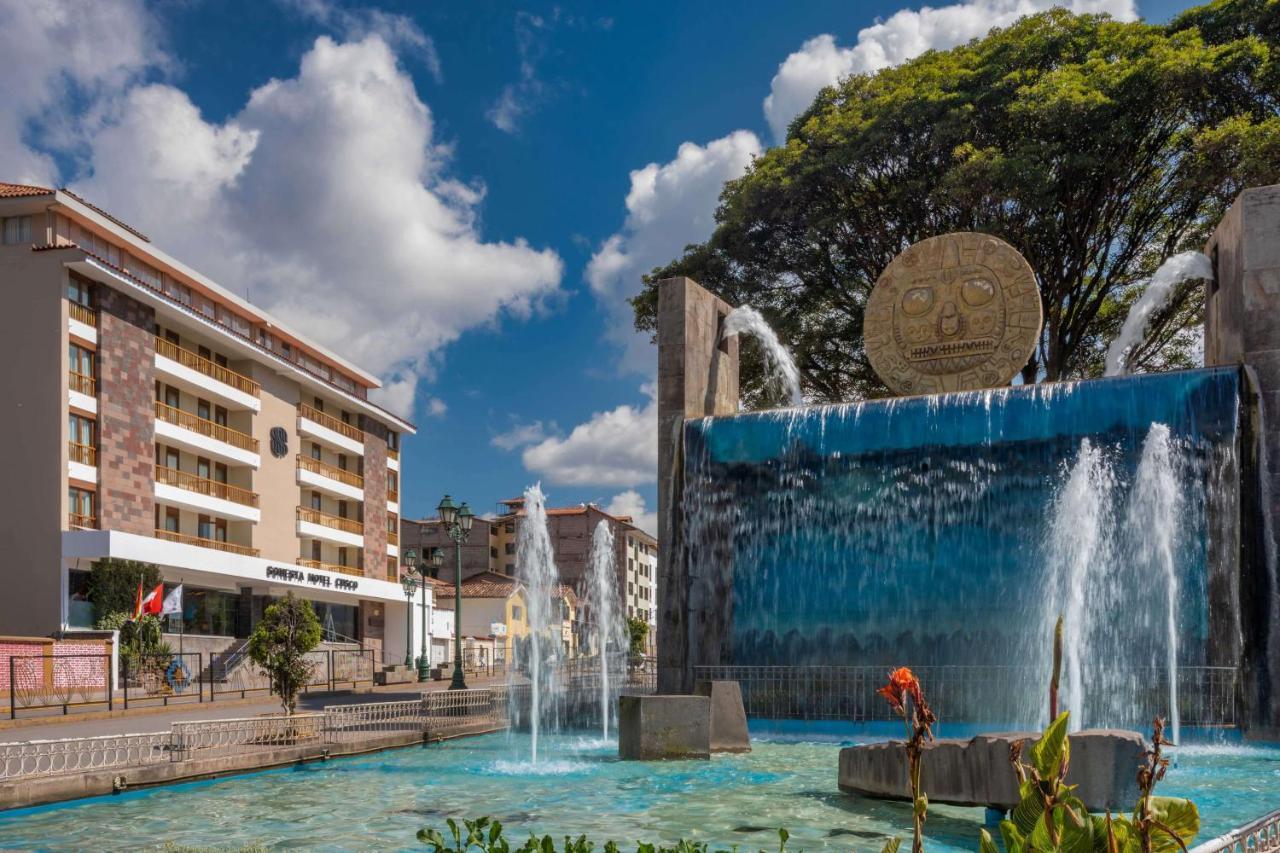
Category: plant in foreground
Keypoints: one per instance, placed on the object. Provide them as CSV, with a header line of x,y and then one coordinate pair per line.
x,y
907,699
484,835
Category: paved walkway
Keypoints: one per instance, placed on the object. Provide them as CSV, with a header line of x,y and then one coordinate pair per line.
x,y
156,720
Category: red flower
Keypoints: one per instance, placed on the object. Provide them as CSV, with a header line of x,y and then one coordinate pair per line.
x,y
902,683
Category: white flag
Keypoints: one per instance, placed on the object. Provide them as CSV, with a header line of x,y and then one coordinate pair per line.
x,y
173,601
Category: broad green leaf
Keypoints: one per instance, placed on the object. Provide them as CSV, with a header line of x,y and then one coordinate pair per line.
x,y
1014,838
1053,748
891,846
1181,816
1027,812
985,843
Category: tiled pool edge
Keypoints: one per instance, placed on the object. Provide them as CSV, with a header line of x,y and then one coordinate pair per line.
x,y
47,790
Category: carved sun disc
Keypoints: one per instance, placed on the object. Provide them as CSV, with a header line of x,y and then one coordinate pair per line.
x,y
956,312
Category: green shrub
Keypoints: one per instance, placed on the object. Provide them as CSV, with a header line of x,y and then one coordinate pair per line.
x,y
113,586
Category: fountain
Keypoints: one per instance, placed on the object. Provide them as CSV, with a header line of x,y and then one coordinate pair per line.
x,y
746,320
1175,270
536,570
605,611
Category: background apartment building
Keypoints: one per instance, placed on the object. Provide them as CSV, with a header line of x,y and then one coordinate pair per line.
x,y
491,549
155,416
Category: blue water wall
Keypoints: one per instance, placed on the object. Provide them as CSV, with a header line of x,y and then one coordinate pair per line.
x,y
941,530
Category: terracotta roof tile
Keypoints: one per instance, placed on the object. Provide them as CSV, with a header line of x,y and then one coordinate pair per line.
x,y
22,190
126,226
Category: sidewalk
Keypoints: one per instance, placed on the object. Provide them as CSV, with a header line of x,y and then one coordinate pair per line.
x,y
144,720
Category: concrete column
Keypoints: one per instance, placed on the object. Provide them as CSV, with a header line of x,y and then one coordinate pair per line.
x,y
1242,326
697,376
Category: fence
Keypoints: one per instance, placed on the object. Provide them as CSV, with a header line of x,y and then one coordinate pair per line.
x,y
164,679
1207,696
437,713
58,681
1259,836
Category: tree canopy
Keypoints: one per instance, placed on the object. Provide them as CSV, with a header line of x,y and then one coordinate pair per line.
x,y
1097,148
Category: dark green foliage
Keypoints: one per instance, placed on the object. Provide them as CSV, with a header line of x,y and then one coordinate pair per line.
x,y
485,836
1096,148
113,586
638,631
279,644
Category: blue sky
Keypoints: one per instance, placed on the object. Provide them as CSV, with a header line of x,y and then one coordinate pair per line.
x,y
518,128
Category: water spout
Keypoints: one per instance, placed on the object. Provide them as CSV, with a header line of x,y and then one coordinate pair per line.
x,y
1172,272
536,569
745,319
606,610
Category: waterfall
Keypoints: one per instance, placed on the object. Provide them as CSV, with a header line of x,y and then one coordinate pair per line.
x,y
606,610
1155,516
1175,270
536,570
745,319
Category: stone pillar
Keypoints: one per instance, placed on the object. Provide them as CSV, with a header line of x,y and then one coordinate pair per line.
x,y
375,498
697,376
1242,326
126,414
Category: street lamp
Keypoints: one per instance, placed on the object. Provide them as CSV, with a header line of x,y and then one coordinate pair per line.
x,y
435,558
409,582
456,522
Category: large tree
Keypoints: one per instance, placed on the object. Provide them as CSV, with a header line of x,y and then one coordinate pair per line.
x,y
1095,147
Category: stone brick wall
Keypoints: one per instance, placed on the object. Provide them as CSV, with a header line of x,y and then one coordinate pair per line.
x,y
126,414
68,670
375,498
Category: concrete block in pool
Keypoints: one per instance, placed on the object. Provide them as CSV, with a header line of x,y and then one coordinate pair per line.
x,y
976,772
728,716
652,728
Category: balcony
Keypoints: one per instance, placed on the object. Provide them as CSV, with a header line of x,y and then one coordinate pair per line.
x,y
393,538
215,544
393,459
82,322
199,375
206,437
76,521
331,567
82,384
82,462
314,524
315,474
330,430
205,495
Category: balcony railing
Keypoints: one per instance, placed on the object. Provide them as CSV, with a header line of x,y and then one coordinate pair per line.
x,y
393,495
339,426
203,485
394,454
84,384
331,567
206,427
212,369
76,521
315,466
393,538
216,544
85,454
82,313
334,522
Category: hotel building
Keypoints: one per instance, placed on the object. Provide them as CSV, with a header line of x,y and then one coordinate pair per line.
x,y
152,415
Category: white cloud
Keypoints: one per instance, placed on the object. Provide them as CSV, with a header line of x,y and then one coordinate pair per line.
x,y
522,96
59,52
520,435
632,503
669,206
354,24
436,407
328,200
904,35
614,448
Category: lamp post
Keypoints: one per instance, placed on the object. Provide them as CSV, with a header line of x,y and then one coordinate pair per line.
x,y
436,559
409,582
456,521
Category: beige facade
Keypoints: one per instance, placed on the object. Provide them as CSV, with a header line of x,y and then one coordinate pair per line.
x,y
155,416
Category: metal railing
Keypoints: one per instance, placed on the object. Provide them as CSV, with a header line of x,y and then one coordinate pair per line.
x,y
1207,696
53,757
1258,836
351,722
333,522
205,486
330,567
215,544
333,472
393,538
200,364
393,495
205,427
42,682
85,454
86,385
163,679
79,521
222,737
82,313
394,454
327,421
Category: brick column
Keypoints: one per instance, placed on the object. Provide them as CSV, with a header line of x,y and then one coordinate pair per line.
x,y
126,413
697,376
375,498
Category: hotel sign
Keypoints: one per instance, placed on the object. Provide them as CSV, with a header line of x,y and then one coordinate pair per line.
x,y
290,575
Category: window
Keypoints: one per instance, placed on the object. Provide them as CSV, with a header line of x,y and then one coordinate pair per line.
x,y
511,527
220,529
342,509
80,503
393,440
17,229
172,337
203,409
172,397
493,553
219,415
203,469
393,482
342,461
315,550
511,548
167,457
315,501
204,527
170,519
79,291
342,556
80,430
517,612
80,360
220,472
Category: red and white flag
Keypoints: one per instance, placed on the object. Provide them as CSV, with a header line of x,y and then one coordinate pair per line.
x,y
152,602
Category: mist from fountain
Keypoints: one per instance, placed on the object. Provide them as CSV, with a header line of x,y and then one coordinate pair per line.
x,y
605,609
1175,270
536,570
746,320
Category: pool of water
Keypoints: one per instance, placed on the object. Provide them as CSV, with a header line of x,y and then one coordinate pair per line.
x,y
380,801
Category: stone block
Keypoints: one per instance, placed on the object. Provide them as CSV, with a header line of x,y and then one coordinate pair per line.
x,y
976,772
399,674
728,715
652,728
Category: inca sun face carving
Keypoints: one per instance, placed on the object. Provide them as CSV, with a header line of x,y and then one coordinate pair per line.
x,y
953,312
